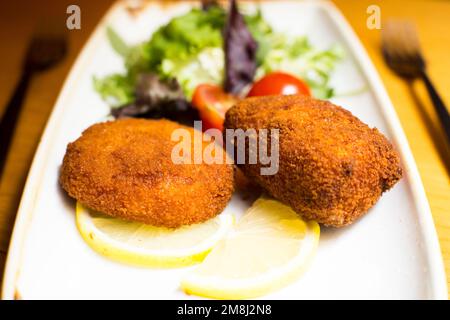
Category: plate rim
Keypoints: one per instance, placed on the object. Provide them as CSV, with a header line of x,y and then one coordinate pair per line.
x,y
438,285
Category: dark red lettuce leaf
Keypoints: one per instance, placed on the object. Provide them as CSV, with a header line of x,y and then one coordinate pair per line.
x,y
240,52
157,98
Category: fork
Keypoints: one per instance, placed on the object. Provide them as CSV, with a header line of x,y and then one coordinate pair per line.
x,y
401,50
43,52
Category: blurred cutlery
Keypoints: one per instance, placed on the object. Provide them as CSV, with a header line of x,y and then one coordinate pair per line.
x,y
401,50
43,52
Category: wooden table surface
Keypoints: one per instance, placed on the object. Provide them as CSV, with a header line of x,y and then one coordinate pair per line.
x,y
18,19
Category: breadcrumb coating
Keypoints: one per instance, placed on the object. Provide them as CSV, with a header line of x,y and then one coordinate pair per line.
x,y
332,167
124,169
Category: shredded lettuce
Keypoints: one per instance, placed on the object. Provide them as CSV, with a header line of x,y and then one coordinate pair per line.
x,y
118,89
190,49
205,67
117,42
261,31
115,89
185,36
187,48
297,56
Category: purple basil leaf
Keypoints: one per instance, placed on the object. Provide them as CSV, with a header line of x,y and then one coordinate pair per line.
x,y
240,52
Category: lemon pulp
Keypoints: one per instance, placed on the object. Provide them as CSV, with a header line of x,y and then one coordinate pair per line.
x,y
269,248
144,245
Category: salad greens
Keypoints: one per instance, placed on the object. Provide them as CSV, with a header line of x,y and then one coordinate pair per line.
x,y
116,89
158,98
299,57
190,49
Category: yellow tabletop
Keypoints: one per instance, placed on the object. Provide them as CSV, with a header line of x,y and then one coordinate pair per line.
x,y
18,20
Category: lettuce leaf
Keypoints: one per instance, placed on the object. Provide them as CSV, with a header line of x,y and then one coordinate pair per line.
x,y
205,67
115,89
298,57
190,49
185,36
117,43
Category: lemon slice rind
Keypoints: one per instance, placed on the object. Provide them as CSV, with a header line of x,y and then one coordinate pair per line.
x,y
125,253
217,287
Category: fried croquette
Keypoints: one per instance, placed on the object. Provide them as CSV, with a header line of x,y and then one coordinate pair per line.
x,y
124,169
332,167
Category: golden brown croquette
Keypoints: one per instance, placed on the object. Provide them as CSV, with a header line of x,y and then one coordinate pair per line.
x,y
332,167
124,169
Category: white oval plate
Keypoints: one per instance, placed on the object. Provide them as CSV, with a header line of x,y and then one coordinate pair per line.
x,y
391,253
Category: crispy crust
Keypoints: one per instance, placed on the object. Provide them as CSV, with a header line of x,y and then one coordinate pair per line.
x,y
332,168
124,169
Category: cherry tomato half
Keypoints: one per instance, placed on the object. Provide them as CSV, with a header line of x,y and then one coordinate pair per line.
x,y
212,103
276,83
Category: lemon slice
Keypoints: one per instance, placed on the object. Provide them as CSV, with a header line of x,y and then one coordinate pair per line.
x,y
269,248
143,245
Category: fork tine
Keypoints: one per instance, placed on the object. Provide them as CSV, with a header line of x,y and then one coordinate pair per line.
x,y
399,38
409,38
389,39
401,48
